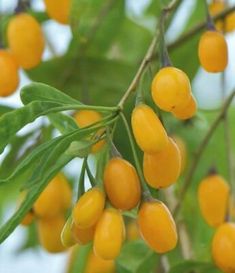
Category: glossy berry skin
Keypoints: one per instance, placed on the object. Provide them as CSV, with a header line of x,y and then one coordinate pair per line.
x,y
58,10
122,184
148,130
83,236
9,78
170,88
49,231
97,265
55,199
223,247
86,118
25,40
162,169
183,150
89,208
213,198
157,226
213,51
28,219
186,112
109,234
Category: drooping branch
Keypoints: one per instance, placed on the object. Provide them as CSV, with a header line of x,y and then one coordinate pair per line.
x,y
199,152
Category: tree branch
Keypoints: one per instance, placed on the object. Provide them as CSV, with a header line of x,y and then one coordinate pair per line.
x,y
199,152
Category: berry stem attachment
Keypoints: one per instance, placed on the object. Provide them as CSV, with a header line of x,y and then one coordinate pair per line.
x,y
81,181
89,174
209,21
146,192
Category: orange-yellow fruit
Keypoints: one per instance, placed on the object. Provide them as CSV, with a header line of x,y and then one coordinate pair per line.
x,y
89,208
213,51
122,184
86,118
83,236
132,231
171,88
183,150
213,197
9,78
28,219
49,231
109,234
223,247
157,226
148,131
25,40
230,22
188,111
58,10
97,265
162,169
55,199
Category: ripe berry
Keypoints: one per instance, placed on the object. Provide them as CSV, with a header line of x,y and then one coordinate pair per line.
x,y
89,117
223,247
188,111
89,208
25,40
109,234
162,169
213,51
148,131
157,226
97,265
213,197
171,88
58,11
83,236
9,78
49,231
55,199
122,184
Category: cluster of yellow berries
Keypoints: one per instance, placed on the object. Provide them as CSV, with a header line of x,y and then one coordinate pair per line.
x,y
213,197
26,44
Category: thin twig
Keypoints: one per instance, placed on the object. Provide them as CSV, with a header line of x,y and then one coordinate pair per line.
x,y
199,152
147,58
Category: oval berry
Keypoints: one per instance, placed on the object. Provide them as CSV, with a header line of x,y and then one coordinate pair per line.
x,y
213,51
49,231
9,78
188,111
213,197
223,247
58,11
25,40
89,208
109,234
122,184
162,169
171,88
148,130
157,226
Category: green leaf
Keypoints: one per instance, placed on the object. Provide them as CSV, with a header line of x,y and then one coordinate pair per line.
x,y
194,266
80,148
31,197
63,123
42,92
4,109
136,257
97,76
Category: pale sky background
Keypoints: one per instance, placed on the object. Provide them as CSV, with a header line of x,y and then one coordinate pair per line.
x,y
40,261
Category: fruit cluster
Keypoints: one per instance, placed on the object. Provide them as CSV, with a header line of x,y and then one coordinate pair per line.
x,y
26,43
213,197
